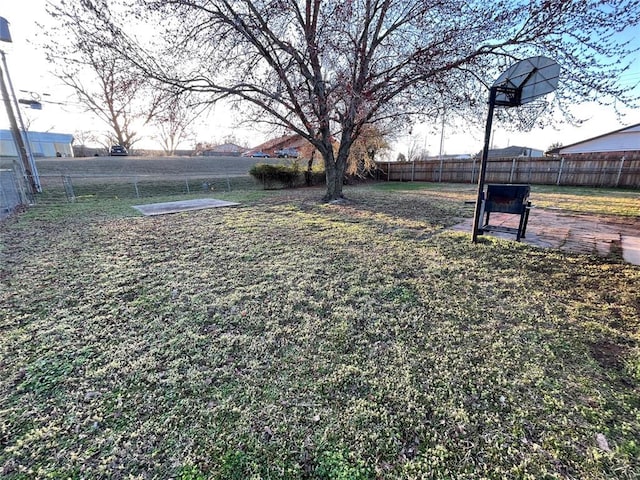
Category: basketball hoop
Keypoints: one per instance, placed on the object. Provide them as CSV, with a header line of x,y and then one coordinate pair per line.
x,y
523,117
523,84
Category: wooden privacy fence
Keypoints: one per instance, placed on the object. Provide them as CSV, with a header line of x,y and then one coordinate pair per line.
x,y
620,169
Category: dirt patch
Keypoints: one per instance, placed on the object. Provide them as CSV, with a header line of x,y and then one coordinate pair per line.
x,y
608,355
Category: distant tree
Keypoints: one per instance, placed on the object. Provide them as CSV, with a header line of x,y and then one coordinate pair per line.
x,y
365,150
414,150
81,138
326,69
174,120
104,83
554,145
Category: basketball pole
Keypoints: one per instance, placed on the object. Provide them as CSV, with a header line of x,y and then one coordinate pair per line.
x,y
483,165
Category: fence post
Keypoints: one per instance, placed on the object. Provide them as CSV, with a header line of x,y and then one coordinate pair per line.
x,y
135,185
473,170
186,181
388,170
413,169
620,170
513,167
560,170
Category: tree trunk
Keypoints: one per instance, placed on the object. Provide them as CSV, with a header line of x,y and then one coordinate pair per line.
x,y
308,174
336,166
334,169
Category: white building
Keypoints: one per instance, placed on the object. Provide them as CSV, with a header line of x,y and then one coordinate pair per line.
x,y
611,159
43,144
626,139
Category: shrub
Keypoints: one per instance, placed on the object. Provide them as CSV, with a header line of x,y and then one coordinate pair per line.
x,y
315,177
287,175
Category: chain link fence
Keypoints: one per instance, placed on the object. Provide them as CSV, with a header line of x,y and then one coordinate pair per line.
x,y
67,188
12,192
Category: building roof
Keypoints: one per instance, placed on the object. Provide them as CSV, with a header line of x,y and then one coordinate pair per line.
x,y
286,141
278,143
622,140
513,151
40,136
227,148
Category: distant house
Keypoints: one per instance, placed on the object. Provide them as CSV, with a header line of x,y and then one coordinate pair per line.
x,y
611,159
226,149
287,142
451,156
43,144
626,139
513,152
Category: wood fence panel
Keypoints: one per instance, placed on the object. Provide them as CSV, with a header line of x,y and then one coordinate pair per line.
x,y
603,170
630,173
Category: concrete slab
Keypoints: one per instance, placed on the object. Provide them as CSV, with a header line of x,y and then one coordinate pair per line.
x,y
182,206
580,233
631,249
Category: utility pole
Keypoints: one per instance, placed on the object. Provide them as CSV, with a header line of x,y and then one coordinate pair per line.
x,y
35,182
17,136
31,183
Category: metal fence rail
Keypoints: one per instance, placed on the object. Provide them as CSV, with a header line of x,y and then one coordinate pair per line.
x,y
76,188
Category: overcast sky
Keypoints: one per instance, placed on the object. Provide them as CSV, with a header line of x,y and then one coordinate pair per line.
x,y
29,72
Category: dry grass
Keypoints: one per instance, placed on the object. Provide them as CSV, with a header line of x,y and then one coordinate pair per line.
x,y
291,339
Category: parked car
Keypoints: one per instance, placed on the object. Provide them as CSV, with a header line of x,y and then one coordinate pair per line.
x,y
287,153
260,155
118,151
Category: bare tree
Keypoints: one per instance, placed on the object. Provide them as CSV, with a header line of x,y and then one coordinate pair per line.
x,y
175,118
326,69
103,81
82,138
414,149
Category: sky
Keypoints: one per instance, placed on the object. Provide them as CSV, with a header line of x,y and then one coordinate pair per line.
x,y
30,76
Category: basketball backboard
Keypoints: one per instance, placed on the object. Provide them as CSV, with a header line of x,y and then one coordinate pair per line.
x,y
526,80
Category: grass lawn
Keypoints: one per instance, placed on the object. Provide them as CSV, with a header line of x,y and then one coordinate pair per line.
x,y
288,339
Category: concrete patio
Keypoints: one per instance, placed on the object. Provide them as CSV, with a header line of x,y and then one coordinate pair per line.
x,y
579,233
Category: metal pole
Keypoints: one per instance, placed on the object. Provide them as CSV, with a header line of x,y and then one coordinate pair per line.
x,y
32,163
17,137
483,165
620,171
441,148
